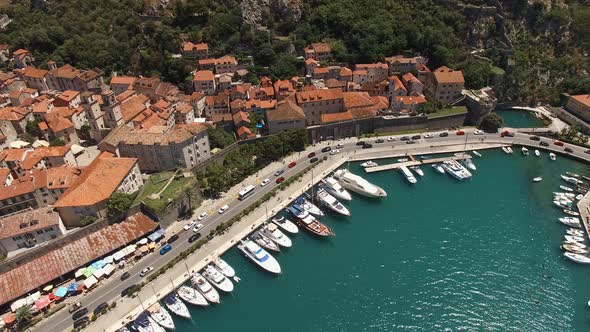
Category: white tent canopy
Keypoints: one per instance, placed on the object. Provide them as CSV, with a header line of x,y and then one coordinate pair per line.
x,y
98,273
108,269
89,282
143,241
19,144
108,259
17,304
79,273
77,149
40,142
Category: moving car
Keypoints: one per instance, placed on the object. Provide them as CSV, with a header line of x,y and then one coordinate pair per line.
x,y
543,143
125,275
292,164
313,160
416,137
194,238
367,146
558,143
428,135
444,134
333,152
197,228
311,155
81,323
129,290
587,151
460,133
281,179
172,239
506,133
80,313
187,227
203,216
568,150
405,138
379,140
326,149
390,139
279,172
360,143
165,249
339,146
410,142
264,182
535,138
145,271
223,209
478,132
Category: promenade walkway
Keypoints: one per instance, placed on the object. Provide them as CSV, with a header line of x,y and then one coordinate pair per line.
x,y
584,208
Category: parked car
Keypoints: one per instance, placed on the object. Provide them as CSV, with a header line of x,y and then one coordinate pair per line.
x,y
339,146
506,133
360,143
74,307
100,308
405,138
279,172
587,151
80,313
281,179
125,275
131,289
311,155
187,227
313,160
292,164
569,150
326,149
333,152
264,182
165,249
367,146
197,228
172,239
416,137
81,323
410,142
223,209
203,216
379,140
535,138
145,271
460,133
429,135
478,132
558,143
443,134
390,139
194,238
543,143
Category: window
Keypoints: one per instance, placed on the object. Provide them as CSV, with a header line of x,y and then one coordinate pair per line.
x,y
39,232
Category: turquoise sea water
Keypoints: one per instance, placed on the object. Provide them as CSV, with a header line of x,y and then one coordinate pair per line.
x,y
519,118
441,255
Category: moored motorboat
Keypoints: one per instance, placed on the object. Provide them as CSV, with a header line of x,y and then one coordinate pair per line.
x,y
505,149
408,175
577,257
579,197
274,233
259,256
161,316
417,170
285,224
357,184
205,288
192,296
563,204
575,243
225,268
368,164
570,212
573,238
456,170
574,248
570,221
537,179
309,222
573,175
566,188
469,164
574,232
217,279
438,168
509,149
537,153
571,180
525,151
403,160
264,241
552,156
568,195
332,203
333,187
176,306
476,153
145,323
309,206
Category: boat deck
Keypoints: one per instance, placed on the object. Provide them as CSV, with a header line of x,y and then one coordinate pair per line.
x,y
414,162
584,208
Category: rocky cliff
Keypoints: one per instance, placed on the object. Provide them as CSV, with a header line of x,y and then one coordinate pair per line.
x,y
255,11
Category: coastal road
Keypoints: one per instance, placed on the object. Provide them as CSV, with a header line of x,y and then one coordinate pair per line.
x,y
110,290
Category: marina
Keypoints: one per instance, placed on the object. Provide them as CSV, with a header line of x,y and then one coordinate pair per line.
x,y
414,162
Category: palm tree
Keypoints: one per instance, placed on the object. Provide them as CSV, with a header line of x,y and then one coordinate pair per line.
x,y
23,315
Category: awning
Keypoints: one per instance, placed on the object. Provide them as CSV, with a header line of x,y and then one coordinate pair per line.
x,y
143,241
138,253
98,273
73,287
47,288
108,259
17,304
108,269
89,271
33,297
9,319
144,249
40,142
42,302
19,144
130,249
88,283
119,255
79,273
61,292
98,264
155,236
77,149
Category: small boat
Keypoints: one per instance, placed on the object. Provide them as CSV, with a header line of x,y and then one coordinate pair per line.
x,y
309,206
570,212
581,190
408,175
285,224
259,256
566,188
145,323
192,296
570,221
237,279
403,160
225,268
215,277
274,233
567,195
417,170
571,180
562,203
309,222
573,248
332,203
552,156
469,164
577,258
476,153
456,170
525,151
505,149
575,243
333,187
579,197
174,304
161,316
368,164
573,238
264,242
438,168
509,149
537,153
574,232
573,175
537,179
424,157
203,286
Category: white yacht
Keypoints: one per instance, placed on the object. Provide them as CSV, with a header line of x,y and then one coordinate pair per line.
x,y
203,286
358,184
264,241
577,258
509,149
570,221
537,153
408,175
192,296
537,179
574,238
333,187
308,206
274,233
225,268
369,163
456,170
469,164
403,160
476,153
438,168
145,323
552,156
575,232
566,188
571,180
505,149
332,203
161,316
286,224
417,170
525,151
259,256
212,274
174,304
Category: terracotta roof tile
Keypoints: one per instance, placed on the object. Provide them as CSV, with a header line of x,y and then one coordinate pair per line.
x,y
132,106
33,72
60,124
28,221
582,99
446,75
127,80
318,95
286,109
204,75
337,117
188,46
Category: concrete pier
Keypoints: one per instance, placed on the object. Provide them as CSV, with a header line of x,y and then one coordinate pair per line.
x,y
584,208
414,162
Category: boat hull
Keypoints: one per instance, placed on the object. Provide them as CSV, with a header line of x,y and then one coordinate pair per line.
x,y
270,265
192,296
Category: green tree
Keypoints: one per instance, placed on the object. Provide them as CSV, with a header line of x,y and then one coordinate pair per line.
x,y
219,138
32,128
118,203
57,142
491,122
23,315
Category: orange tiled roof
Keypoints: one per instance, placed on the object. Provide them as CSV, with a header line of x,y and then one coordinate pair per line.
x,y
264,104
371,66
60,124
582,99
62,177
210,61
337,117
125,95
397,84
345,72
409,77
188,46
66,71
318,95
35,179
128,80
33,72
131,107
32,220
446,75
240,117
237,104
68,95
321,47
286,109
204,75
321,70
13,113
244,131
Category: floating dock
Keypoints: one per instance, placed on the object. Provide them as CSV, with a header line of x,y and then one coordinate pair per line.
x,y
414,162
